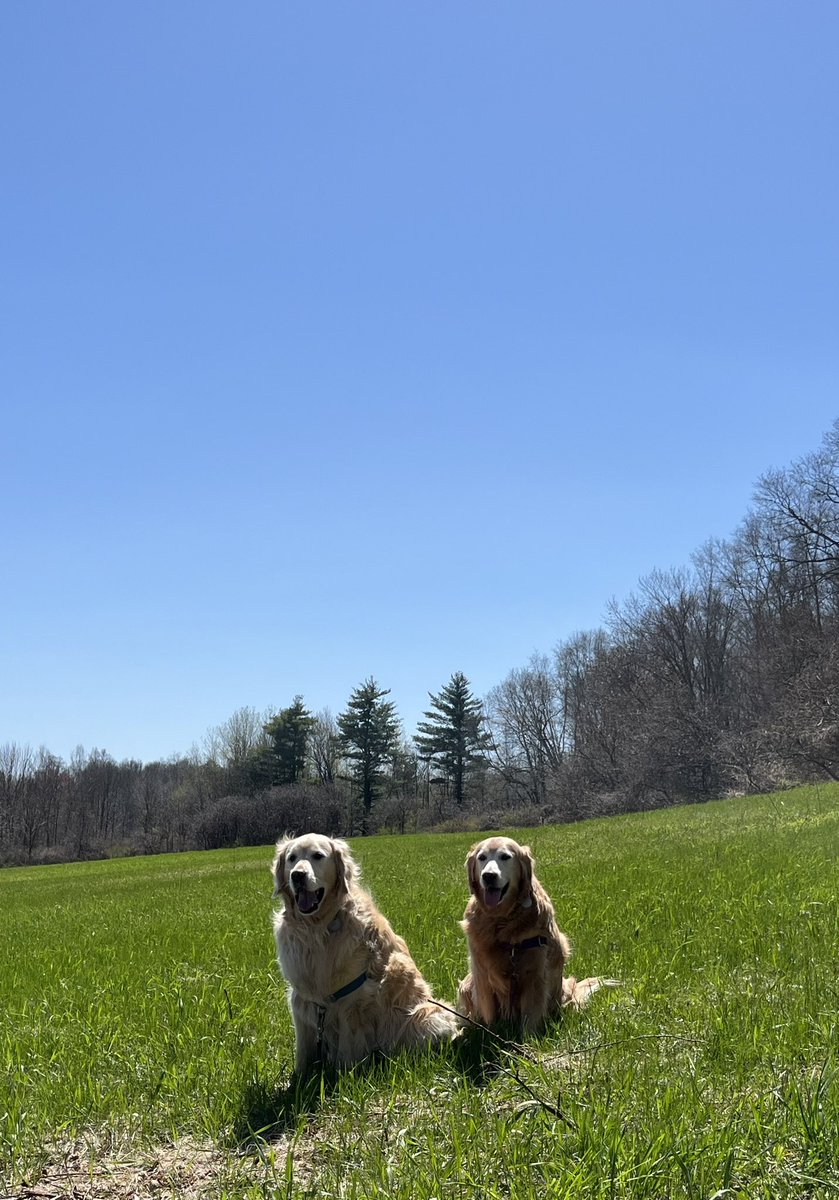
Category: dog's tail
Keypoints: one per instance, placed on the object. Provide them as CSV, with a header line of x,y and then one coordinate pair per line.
x,y
432,1021
576,993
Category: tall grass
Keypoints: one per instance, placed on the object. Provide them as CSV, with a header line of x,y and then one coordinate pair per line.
x,y
140,999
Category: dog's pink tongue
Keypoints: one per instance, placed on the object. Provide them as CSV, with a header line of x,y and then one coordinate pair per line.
x,y
307,901
492,896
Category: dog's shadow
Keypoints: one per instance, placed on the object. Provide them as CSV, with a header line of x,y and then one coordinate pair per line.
x,y
480,1055
270,1109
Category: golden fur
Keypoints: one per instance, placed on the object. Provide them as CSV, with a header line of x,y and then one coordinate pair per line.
x,y
509,906
323,948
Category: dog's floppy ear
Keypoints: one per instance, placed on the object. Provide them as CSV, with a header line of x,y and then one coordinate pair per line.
x,y
278,866
526,866
472,868
346,867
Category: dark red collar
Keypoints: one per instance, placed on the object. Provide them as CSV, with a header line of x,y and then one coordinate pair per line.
x,y
528,944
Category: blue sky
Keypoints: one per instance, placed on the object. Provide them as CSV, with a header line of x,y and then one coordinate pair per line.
x,y
380,339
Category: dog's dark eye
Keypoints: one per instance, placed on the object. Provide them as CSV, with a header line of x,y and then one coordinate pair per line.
x,y
505,857
482,858
318,854
292,857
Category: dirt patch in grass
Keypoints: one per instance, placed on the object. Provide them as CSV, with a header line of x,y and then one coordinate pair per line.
x,y
107,1168
98,1169
88,1170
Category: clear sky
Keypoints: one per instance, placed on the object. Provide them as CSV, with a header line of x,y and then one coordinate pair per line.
x,y
350,339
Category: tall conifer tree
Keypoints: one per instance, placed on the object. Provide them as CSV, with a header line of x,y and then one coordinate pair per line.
x,y
369,734
453,734
288,733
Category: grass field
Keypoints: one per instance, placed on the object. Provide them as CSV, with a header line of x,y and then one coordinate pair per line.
x,y
145,1042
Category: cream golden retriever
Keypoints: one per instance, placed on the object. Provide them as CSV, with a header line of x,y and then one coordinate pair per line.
x,y
517,951
353,986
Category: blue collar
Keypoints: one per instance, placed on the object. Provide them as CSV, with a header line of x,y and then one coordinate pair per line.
x,y
348,988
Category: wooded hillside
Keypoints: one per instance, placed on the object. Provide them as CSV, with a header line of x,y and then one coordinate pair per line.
x,y
720,676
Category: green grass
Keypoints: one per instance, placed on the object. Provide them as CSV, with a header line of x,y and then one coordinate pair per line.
x,y
140,1003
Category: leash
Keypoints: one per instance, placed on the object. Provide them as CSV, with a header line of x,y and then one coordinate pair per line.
x,y
512,1050
508,1046
515,948
346,990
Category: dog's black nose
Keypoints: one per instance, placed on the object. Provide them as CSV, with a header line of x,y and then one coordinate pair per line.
x,y
298,873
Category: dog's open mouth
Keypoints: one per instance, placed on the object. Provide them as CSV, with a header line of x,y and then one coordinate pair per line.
x,y
494,895
308,902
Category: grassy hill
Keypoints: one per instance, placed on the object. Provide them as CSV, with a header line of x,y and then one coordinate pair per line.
x,y
145,1042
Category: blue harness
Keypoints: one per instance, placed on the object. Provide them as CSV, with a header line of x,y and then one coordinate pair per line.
x,y
346,990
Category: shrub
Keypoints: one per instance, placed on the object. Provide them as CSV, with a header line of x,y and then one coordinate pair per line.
x,y
256,820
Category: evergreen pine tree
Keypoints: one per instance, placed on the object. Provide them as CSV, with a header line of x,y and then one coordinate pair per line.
x,y
453,735
282,758
369,733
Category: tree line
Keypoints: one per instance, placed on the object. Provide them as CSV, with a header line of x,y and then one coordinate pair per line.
x,y
720,676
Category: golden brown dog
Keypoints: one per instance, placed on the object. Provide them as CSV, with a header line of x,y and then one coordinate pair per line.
x,y
517,951
353,986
